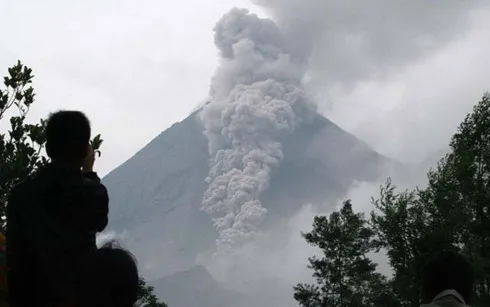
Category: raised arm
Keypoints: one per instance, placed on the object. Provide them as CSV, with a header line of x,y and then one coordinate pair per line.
x,y
87,203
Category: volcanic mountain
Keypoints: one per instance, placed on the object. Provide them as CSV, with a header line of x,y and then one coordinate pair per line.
x,y
156,195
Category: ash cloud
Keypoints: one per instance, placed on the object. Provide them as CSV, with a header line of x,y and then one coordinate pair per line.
x,y
349,41
256,100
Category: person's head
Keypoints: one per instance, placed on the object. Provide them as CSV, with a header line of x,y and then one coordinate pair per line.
x,y
446,270
68,136
109,278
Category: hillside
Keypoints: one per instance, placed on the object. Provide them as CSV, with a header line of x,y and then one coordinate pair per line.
x,y
196,287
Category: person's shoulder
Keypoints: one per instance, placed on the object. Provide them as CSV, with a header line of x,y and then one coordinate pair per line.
x,y
18,194
26,186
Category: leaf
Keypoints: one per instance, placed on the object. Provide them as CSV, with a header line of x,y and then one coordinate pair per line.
x,y
96,142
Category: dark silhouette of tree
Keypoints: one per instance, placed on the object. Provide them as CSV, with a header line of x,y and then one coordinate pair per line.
x,y
344,275
20,147
146,298
451,212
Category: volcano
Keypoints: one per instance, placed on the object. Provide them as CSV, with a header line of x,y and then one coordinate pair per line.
x,y
156,196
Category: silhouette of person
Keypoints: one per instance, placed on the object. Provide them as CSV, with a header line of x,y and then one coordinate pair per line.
x,y
54,215
109,278
447,280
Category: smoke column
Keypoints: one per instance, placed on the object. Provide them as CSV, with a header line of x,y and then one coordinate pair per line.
x,y
256,101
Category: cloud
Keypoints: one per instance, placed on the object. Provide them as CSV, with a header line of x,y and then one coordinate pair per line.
x,y
268,267
351,41
404,70
412,115
107,236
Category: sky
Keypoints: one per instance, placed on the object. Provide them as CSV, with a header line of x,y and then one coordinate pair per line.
x,y
400,78
134,67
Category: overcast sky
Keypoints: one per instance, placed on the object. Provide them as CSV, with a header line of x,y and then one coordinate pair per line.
x,y
136,67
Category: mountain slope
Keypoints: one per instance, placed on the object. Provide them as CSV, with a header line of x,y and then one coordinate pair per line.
x,y
196,287
156,195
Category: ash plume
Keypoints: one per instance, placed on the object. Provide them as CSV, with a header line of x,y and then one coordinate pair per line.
x,y
348,41
256,101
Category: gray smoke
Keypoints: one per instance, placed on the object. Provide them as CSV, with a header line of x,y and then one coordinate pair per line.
x,y
256,101
350,41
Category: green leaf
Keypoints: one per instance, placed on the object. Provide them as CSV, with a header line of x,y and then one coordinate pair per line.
x,y
96,142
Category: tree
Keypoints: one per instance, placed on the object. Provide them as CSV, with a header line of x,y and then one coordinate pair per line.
x,y
450,213
146,298
20,147
460,190
402,227
344,275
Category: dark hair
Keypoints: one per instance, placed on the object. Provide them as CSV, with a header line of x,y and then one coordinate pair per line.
x,y
446,270
67,135
109,278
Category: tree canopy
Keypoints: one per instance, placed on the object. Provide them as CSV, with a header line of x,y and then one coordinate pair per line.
x,y
451,212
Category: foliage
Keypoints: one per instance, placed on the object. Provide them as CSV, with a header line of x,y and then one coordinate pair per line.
x,y
395,229
344,275
95,143
146,298
451,212
406,229
20,147
466,205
